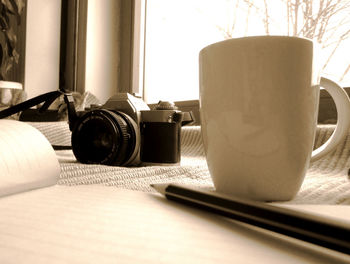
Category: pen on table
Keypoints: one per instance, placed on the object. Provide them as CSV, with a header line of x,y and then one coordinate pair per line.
x,y
307,227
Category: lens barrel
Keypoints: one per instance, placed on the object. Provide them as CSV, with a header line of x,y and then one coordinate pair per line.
x,y
105,137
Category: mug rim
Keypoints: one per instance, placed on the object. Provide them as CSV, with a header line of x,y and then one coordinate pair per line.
x,y
256,37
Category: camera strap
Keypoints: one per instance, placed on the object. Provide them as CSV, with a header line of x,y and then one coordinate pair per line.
x,y
72,114
46,98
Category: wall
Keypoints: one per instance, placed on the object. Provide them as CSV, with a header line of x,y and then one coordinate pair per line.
x,y
102,54
42,46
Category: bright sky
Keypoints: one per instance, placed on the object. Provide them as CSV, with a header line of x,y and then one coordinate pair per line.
x,y
178,30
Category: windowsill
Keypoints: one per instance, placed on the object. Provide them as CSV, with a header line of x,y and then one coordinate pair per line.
x,y
327,113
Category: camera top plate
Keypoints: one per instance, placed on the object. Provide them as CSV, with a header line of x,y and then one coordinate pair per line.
x,y
128,104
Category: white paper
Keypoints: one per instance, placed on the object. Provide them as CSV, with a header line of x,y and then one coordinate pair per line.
x,y
99,224
27,160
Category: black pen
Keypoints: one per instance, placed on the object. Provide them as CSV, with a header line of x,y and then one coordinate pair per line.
x,y
307,227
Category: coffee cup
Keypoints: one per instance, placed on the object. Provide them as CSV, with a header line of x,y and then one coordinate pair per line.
x,y
259,100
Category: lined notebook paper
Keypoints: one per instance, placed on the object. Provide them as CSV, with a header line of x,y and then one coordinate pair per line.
x,y
100,224
27,160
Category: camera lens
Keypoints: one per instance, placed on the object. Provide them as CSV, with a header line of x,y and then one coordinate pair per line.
x,y
105,137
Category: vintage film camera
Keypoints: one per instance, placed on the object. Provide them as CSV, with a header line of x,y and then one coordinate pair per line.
x,y
125,132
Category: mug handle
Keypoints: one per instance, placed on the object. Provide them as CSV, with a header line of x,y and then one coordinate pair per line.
x,y
342,104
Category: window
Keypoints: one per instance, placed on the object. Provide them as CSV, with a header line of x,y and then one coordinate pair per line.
x,y
177,30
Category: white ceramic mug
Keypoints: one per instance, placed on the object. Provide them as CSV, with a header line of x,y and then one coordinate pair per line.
x,y
259,101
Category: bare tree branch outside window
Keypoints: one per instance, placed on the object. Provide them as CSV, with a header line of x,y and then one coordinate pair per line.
x,y
325,21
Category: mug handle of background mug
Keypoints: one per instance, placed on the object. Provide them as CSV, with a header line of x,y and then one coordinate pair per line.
x,y
342,104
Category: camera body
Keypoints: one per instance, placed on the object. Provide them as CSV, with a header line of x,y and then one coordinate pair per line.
x,y
126,132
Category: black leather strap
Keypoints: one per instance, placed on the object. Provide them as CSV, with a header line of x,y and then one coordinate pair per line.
x,y
47,98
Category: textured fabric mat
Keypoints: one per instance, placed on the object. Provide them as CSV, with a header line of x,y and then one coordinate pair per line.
x,y
326,181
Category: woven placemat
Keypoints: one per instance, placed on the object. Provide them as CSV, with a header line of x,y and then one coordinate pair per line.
x,y
326,181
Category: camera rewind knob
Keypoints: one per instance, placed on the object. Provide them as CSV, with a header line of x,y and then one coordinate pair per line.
x,y
165,105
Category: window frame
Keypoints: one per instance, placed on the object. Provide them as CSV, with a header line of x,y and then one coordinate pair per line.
x,y
130,49
74,19
73,45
